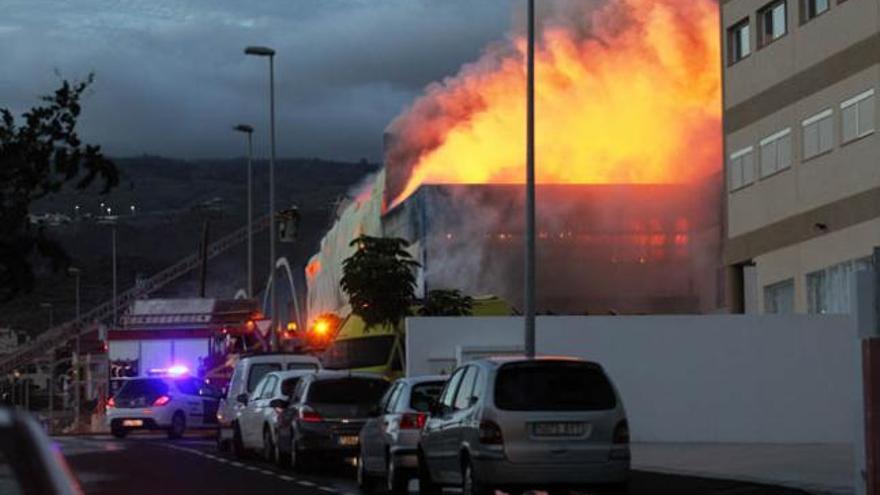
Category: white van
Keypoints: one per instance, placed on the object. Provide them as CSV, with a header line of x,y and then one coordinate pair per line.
x,y
249,370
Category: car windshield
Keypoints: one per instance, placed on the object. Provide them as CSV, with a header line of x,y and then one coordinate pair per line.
x,y
553,386
352,397
140,388
258,371
362,352
423,394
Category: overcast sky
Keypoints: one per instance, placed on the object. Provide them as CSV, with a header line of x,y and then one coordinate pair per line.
x,y
171,78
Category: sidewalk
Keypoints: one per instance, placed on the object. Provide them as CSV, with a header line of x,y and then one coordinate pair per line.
x,y
815,468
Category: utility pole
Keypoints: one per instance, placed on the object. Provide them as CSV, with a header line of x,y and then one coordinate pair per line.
x,y
262,51
51,384
77,399
115,301
249,130
530,189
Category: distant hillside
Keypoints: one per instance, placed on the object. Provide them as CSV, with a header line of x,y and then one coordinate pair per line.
x,y
172,200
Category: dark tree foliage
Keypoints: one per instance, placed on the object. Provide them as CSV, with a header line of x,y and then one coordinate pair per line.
x,y
37,158
445,302
379,280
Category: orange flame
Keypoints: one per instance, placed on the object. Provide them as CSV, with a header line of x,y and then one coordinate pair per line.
x,y
313,268
626,93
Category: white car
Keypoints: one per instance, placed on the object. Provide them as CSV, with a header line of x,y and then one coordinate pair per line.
x,y
258,421
168,403
249,370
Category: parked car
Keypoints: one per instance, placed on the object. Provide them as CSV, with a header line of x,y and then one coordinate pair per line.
x,y
28,462
170,403
258,420
248,371
516,423
325,415
390,438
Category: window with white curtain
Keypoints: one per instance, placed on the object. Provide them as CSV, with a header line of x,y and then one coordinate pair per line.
x,y
741,168
857,116
779,298
776,152
818,134
828,289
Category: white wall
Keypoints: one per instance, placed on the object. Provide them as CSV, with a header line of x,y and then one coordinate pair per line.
x,y
724,378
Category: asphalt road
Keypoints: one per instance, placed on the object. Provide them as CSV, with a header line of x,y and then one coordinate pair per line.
x,y
150,465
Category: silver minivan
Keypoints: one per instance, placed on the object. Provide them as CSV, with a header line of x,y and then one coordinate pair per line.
x,y
513,424
390,438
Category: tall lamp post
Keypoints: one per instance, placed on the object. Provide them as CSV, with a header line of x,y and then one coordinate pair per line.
x,y
249,130
530,189
48,306
262,51
76,272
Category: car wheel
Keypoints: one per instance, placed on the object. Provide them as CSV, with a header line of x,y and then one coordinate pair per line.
x,y
118,432
469,485
366,483
297,462
616,489
237,443
178,426
426,484
282,459
268,446
397,482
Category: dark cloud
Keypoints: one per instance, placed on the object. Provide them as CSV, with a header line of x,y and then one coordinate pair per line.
x,y
172,79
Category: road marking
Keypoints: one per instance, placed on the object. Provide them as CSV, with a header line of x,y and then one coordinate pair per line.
x,y
237,464
286,478
305,483
327,489
267,472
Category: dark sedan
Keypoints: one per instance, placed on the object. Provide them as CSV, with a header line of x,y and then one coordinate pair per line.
x,y
325,415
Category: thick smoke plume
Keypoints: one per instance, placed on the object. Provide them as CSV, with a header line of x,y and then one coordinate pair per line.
x,y
628,91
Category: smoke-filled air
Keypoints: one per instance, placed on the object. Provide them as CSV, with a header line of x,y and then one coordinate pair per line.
x,y
628,91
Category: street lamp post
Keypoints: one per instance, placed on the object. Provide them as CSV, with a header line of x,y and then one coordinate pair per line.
x,y
51,386
262,51
76,354
249,130
530,189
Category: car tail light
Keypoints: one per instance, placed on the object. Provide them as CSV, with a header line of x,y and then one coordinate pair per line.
x,y
490,433
162,400
111,403
621,433
309,416
413,421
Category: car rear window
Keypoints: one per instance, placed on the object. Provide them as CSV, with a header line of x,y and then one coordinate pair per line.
x,y
258,371
143,387
423,394
302,366
289,385
347,391
553,386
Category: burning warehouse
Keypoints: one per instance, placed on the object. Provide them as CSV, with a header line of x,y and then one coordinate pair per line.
x,y
629,91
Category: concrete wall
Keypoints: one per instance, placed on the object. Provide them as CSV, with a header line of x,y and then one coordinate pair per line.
x,y
730,378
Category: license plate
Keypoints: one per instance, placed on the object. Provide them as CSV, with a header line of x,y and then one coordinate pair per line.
x,y
559,429
348,440
132,422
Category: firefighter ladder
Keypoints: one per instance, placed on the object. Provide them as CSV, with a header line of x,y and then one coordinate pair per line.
x,y
65,332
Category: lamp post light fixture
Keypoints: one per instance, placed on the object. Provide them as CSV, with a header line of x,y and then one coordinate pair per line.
x,y
263,51
249,131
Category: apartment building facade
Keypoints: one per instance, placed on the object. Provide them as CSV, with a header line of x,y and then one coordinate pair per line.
x,y
802,156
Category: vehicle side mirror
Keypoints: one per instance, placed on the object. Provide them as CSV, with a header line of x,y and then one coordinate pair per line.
x,y
279,404
473,401
242,399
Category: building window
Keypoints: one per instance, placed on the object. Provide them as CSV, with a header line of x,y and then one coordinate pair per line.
x,y
818,134
779,298
776,153
772,22
810,9
739,42
828,289
742,168
857,116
